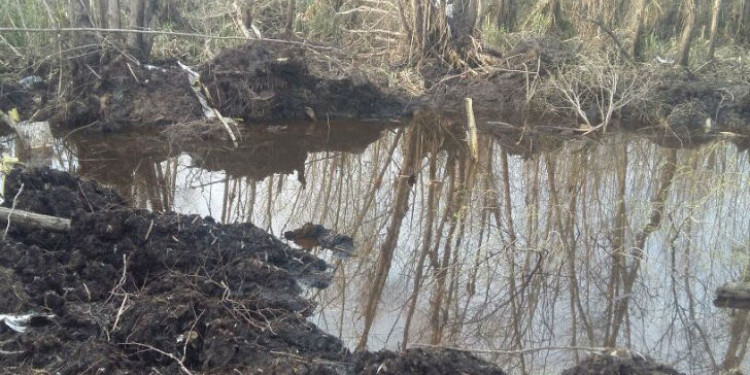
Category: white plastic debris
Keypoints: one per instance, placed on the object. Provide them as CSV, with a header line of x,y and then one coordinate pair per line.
x,y
662,60
19,323
152,67
29,81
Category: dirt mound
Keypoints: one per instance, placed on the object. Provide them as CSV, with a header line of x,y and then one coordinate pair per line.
x,y
259,81
131,285
55,193
131,291
627,364
420,361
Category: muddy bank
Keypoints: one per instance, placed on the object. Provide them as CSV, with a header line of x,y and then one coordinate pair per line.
x,y
526,89
131,291
620,362
259,82
254,82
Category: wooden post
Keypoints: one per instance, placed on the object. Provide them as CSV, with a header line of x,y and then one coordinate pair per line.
x,y
471,130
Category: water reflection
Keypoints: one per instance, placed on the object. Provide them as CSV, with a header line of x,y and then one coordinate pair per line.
x,y
539,246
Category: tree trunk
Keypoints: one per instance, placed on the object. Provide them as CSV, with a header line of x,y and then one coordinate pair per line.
x,y
505,17
629,274
463,24
687,32
80,16
637,52
433,189
743,35
144,13
104,13
714,28
427,33
291,15
400,207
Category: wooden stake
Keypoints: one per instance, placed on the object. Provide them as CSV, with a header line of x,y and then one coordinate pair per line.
x,y
471,131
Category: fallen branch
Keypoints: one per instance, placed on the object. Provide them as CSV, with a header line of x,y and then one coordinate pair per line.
x,y
33,220
595,349
153,32
168,355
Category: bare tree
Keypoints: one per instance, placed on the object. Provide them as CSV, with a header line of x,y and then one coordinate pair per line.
x,y
637,52
687,32
715,10
291,15
400,207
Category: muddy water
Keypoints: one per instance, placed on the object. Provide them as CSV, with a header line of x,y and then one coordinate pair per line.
x,y
538,246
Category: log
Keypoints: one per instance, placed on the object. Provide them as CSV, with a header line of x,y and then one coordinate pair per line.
x,y
32,220
733,296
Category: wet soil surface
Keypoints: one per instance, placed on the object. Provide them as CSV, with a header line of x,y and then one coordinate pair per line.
x,y
135,292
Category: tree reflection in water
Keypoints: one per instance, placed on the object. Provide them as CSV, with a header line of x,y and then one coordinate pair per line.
x,y
541,246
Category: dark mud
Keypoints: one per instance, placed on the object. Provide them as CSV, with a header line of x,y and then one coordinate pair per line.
x,y
254,82
420,361
503,91
675,101
135,292
257,82
621,364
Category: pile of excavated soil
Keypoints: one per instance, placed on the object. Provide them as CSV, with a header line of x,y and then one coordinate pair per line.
x,y
134,292
420,361
258,81
264,81
609,364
